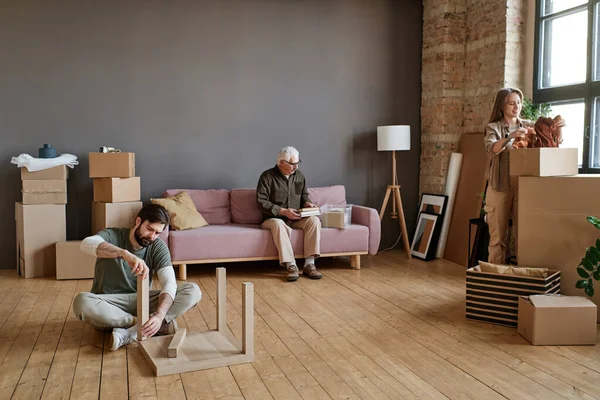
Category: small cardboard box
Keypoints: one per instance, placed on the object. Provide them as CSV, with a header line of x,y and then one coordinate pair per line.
x,y
557,320
494,298
112,165
553,161
45,191
39,228
339,217
72,263
114,215
60,172
116,190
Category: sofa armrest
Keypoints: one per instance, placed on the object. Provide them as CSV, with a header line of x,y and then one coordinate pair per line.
x,y
164,235
370,218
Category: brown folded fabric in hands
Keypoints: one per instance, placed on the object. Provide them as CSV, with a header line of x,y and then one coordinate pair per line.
x,y
547,132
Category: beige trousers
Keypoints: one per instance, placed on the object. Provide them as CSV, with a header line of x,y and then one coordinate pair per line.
x,y
282,237
107,311
499,206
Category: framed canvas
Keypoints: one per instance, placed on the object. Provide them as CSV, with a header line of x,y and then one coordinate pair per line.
x,y
426,237
433,203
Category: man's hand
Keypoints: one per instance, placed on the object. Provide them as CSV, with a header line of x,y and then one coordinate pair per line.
x,y
308,204
152,325
290,213
137,265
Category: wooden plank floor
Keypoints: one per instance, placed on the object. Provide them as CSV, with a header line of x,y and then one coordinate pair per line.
x,y
395,329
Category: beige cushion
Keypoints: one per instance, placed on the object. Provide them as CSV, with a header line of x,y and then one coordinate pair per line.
x,y
182,211
510,270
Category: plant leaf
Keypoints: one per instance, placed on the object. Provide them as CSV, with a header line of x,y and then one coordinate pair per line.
x,y
596,274
591,256
594,221
581,284
587,264
589,291
596,252
582,273
598,244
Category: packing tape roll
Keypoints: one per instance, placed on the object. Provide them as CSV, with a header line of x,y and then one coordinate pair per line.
x,y
450,191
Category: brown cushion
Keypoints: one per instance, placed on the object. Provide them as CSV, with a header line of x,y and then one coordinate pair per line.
x,y
182,211
510,270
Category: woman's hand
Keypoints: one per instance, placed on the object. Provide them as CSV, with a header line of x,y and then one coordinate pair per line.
x,y
518,133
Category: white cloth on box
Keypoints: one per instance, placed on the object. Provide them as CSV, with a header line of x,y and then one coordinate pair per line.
x,y
90,244
38,164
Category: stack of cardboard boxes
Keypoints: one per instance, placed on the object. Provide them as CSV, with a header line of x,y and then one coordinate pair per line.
x,y
116,204
40,220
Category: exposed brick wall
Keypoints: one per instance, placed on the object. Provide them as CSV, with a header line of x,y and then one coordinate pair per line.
x,y
471,48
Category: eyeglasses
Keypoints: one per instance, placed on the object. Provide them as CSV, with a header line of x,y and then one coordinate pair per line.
x,y
293,164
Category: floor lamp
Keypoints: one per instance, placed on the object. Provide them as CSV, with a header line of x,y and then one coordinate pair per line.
x,y
394,137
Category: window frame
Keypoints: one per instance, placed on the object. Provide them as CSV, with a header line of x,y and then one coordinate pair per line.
x,y
569,93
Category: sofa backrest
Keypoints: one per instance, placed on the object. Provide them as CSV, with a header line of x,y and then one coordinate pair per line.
x,y
333,195
245,209
213,204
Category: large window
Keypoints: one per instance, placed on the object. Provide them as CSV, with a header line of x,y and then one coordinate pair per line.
x,y
567,72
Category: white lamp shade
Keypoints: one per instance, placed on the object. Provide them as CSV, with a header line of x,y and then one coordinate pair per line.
x,y
393,137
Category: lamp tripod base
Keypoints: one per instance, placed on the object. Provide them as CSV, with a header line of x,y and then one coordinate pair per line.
x,y
396,199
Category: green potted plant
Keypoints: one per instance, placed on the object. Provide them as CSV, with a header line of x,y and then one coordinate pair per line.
x,y
533,111
589,267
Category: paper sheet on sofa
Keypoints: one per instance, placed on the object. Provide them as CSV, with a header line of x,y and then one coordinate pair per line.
x,y
38,164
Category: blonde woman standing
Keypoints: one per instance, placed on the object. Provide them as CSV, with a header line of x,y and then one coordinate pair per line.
x,y
501,194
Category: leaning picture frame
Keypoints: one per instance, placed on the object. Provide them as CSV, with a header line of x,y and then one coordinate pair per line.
x,y
426,236
433,203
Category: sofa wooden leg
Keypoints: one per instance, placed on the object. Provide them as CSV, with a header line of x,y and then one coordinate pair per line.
x,y
355,261
182,272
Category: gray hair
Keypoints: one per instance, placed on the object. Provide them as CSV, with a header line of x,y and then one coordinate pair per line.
x,y
287,153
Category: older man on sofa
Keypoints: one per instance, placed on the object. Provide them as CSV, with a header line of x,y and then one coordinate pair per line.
x,y
280,192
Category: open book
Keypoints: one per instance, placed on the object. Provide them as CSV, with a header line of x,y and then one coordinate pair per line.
x,y
308,212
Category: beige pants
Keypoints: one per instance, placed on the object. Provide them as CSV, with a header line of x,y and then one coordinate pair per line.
x,y
282,233
499,206
107,311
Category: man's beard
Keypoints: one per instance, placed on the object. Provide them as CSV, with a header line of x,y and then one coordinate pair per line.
x,y
142,241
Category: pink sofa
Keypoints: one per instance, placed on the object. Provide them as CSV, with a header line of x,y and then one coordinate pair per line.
x,y
234,232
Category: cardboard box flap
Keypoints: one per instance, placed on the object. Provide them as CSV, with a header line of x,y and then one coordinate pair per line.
x,y
560,301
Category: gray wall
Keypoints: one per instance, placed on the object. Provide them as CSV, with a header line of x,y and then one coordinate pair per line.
x,y
206,92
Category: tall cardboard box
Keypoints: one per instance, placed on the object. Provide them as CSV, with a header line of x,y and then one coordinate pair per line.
x,y
60,172
544,161
72,263
112,165
116,190
557,320
553,231
114,215
47,191
39,228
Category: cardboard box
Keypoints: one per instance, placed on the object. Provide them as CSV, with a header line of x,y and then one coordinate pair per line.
x,y
339,217
39,228
60,172
544,162
553,229
112,165
45,191
72,263
494,298
114,215
557,320
116,190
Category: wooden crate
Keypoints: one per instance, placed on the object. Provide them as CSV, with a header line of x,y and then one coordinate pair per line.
x,y
494,298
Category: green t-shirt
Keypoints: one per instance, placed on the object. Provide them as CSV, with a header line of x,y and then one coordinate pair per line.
x,y
113,275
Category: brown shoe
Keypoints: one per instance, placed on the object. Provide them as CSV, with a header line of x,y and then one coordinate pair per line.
x,y
311,271
293,273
